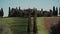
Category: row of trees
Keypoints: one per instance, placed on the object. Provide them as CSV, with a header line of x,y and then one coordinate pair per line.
x,y
15,12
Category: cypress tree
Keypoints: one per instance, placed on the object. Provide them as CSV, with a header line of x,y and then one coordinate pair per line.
x,y
9,12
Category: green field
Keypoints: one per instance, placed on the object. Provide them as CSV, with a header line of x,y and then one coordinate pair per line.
x,y
18,25
40,26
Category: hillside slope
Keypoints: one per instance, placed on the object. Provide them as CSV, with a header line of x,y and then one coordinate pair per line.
x,y
18,25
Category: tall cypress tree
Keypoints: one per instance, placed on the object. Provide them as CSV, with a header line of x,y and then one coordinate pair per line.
x,y
35,25
1,12
9,12
54,10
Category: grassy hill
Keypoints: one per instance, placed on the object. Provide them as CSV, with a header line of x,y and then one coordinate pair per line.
x,y
40,26
18,25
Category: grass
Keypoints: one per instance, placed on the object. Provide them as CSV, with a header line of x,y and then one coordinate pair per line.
x,y
40,25
18,25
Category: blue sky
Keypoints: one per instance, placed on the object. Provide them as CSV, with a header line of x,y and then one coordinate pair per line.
x,y
45,4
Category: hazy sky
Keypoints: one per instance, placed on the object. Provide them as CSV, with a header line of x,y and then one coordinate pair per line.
x,y
45,4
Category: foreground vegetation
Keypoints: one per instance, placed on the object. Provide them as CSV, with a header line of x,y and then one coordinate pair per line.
x,y
18,25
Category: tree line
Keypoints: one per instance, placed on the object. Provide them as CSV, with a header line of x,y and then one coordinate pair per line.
x,y
18,12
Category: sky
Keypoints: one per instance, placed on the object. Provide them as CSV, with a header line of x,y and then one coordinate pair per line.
x,y
24,4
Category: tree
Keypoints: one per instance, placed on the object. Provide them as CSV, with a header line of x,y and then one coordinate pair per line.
x,y
50,13
1,12
56,11
9,12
